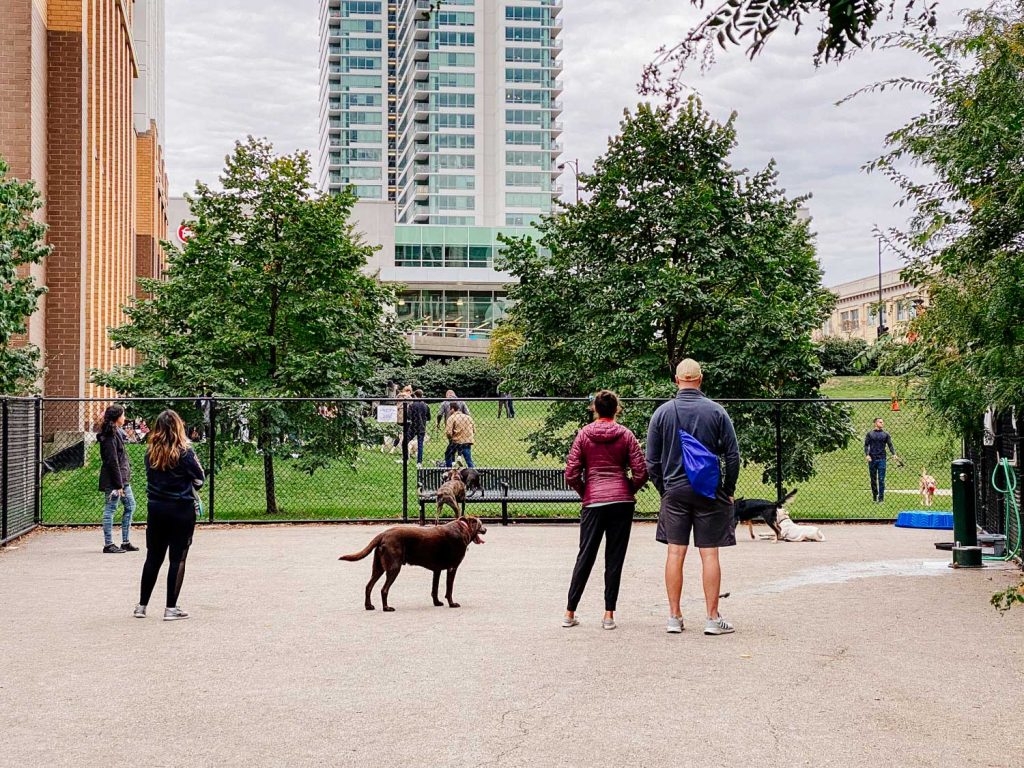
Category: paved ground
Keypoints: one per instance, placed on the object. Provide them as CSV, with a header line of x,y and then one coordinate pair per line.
x,y
862,650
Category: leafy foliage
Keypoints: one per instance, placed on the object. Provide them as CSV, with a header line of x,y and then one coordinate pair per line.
x,y
268,298
844,25
468,377
839,353
676,254
964,245
505,341
21,244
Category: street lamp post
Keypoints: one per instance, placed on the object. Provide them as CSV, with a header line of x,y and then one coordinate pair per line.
x,y
881,302
575,166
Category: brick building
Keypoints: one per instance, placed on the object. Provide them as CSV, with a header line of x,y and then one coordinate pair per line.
x,y
81,103
857,305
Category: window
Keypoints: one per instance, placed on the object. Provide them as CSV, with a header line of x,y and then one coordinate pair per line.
x,y
360,137
520,219
453,141
531,55
465,100
453,202
441,59
454,221
362,100
367,190
539,200
520,96
525,117
362,26
536,76
528,159
455,18
526,137
357,155
366,7
360,172
902,311
452,182
361,81
358,44
361,118
360,62
526,34
452,80
452,120
527,179
453,161
525,14
442,39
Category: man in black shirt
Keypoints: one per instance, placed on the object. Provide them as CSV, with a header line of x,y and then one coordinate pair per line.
x,y
875,443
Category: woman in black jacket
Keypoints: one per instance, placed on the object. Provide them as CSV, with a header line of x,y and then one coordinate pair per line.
x,y
115,481
173,474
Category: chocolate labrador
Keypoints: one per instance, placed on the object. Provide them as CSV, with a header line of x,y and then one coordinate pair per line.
x,y
437,549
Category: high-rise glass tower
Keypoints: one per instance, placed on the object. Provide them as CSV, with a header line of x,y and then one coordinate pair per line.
x,y
449,109
444,119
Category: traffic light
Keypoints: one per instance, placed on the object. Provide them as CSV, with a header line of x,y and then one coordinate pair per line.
x,y
882,330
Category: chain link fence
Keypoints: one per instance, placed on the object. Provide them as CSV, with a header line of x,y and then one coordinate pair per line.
x,y
278,460
19,465
999,440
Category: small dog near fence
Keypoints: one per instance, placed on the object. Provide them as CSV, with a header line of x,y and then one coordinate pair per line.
x,y
793,532
437,549
927,487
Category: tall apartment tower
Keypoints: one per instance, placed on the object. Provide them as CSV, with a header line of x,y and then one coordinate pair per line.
x,y
447,114
72,120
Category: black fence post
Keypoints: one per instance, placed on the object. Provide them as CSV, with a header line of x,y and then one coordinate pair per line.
x,y
212,474
778,453
405,470
37,501
4,473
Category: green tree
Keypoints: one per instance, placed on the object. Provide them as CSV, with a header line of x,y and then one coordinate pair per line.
x,y
676,254
505,342
844,26
839,354
963,245
268,299
21,244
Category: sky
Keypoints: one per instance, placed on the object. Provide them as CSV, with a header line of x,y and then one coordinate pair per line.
x,y
240,67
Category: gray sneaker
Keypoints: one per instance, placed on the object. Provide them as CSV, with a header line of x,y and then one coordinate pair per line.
x,y
718,626
140,611
674,625
608,624
567,622
173,614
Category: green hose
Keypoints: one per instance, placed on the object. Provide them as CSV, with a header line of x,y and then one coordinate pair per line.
x,y
1011,506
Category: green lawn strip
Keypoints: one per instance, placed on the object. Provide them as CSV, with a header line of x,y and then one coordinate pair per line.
x,y
840,488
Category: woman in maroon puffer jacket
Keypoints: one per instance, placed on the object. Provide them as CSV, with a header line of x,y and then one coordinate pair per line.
x,y
606,468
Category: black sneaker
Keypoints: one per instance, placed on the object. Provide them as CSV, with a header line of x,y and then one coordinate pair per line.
x,y
127,546
112,549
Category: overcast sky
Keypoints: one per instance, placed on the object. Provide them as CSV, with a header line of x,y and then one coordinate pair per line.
x,y
238,67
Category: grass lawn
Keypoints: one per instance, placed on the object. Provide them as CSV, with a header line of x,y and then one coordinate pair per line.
x,y
374,488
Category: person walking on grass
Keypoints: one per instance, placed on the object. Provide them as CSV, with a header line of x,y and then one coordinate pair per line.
x,y
450,405
461,433
115,480
173,474
687,440
875,443
606,468
418,415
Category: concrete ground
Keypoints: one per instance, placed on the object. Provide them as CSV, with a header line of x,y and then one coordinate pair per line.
x,y
862,650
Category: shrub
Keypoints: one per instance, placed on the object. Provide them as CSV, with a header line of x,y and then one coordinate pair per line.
x,y
838,355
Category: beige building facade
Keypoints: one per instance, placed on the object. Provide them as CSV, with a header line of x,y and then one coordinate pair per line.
x,y
856,313
70,121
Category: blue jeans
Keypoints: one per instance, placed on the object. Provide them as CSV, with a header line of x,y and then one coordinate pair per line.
x,y
877,470
458,449
110,507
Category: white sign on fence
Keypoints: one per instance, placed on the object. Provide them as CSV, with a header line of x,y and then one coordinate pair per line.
x,y
387,414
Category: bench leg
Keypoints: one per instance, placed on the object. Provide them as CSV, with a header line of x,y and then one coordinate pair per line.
x,y
423,514
504,512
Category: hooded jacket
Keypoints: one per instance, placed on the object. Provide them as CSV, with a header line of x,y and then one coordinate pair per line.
x,y
601,455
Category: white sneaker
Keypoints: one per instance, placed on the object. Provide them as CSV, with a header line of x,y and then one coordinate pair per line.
x,y
139,612
173,614
567,622
674,625
718,626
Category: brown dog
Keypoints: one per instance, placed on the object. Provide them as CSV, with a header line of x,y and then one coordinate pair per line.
x,y
451,492
437,549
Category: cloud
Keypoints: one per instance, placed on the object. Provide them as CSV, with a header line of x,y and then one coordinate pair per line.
x,y
238,67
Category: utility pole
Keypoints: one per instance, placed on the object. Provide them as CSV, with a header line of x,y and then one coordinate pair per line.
x,y
575,166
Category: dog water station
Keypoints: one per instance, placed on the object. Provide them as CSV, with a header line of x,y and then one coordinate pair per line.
x,y
966,552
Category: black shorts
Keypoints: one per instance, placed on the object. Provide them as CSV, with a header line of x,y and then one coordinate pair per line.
x,y
683,510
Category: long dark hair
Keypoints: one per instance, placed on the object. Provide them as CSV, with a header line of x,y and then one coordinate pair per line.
x,y
167,441
110,417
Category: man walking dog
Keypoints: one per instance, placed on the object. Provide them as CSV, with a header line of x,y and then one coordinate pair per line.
x,y
687,439
875,443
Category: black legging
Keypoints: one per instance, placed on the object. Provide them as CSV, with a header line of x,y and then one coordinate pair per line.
x,y
613,521
169,527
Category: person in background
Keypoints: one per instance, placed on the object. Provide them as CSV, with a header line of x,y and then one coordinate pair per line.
x,y
115,480
391,442
505,404
706,429
173,475
461,433
875,443
450,405
606,468
418,415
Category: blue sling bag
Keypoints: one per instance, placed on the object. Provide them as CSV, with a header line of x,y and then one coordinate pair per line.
x,y
701,465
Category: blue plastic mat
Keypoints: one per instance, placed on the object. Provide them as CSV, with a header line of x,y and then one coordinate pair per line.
x,y
942,521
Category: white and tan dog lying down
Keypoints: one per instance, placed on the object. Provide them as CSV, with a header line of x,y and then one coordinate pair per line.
x,y
793,532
